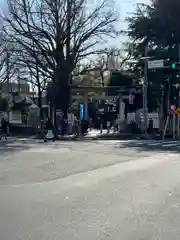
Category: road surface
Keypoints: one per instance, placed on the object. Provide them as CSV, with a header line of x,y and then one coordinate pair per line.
x,y
89,190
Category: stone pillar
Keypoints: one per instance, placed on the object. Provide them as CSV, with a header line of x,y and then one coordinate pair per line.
x,y
121,109
121,119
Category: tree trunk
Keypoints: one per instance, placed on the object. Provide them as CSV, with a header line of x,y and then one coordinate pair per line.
x,y
62,91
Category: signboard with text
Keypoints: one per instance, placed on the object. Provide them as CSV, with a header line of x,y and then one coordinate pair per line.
x,y
155,64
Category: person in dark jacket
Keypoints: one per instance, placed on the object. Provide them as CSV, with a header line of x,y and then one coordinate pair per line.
x,y
49,131
4,128
63,125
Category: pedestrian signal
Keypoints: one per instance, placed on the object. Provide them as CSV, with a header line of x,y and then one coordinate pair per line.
x,y
131,99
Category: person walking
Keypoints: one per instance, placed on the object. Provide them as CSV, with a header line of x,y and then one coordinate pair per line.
x,y
49,128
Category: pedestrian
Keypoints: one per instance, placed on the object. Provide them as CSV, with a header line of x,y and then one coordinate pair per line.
x,y
4,128
71,119
49,131
62,124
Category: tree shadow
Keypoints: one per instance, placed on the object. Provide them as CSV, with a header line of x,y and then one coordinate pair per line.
x,y
16,145
153,146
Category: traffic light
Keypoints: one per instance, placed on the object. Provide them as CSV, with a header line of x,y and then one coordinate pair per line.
x,y
131,99
173,65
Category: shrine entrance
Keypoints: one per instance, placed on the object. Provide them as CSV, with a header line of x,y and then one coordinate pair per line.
x,y
88,94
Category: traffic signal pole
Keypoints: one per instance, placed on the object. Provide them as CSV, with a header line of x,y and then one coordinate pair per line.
x,y
178,124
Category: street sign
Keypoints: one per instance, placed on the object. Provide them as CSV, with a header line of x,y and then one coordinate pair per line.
x,y
156,64
178,110
173,107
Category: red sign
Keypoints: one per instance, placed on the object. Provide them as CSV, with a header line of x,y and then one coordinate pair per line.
x,y
131,97
173,107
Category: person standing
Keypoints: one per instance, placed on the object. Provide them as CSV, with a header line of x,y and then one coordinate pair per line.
x,y
4,128
70,119
62,124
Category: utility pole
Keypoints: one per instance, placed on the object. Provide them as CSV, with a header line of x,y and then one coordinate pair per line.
x,y
178,123
145,86
168,96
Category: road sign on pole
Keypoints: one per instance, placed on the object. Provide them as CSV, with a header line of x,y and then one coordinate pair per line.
x,y
156,64
173,107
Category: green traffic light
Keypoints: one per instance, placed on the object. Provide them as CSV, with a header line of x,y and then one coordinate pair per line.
x,y
173,65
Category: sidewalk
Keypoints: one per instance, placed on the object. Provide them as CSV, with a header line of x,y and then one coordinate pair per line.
x,y
90,135
96,135
114,136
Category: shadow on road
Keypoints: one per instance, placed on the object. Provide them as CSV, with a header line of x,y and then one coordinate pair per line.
x,y
16,145
10,147
156,146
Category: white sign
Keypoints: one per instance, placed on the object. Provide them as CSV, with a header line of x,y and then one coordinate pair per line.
x,y
156,64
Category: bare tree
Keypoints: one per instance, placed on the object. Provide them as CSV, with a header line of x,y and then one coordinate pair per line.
x,y
58,34
29,71
105,62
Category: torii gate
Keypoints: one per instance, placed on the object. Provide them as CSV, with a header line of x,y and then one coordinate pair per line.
x,y
84,90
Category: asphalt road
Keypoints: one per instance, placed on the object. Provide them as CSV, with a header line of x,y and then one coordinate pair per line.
x,y
89,190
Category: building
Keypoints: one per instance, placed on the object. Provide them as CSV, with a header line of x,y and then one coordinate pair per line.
x,y
22,88
16,93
